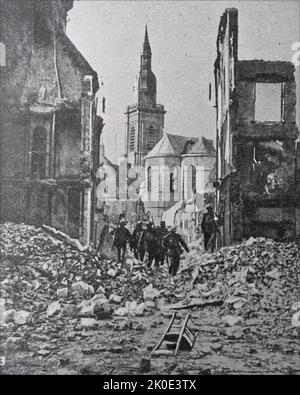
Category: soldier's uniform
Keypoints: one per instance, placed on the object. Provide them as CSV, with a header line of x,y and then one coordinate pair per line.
x,y
172,243
122,237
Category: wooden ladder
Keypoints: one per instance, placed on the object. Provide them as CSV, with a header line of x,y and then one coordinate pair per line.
x,y
175,337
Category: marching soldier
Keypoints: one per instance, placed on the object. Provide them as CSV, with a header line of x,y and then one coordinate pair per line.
x,y
149,243
161,232
121,238
134,242
172,243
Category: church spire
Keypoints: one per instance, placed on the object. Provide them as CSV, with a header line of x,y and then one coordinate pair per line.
x,y
145,118
146,47
146,55
147,80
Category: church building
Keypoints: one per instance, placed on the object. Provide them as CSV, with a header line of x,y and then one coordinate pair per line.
x,y
179,170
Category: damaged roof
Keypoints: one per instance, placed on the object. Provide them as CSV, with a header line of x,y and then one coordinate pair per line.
x,y
78,59
176,145
50,70
203,146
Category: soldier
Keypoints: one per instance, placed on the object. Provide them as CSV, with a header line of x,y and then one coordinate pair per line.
x,y
207,225
161,231
173,242
134,242
149,243
122,236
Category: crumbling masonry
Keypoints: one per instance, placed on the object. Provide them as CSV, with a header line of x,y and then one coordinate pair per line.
x,y
257,183
49,128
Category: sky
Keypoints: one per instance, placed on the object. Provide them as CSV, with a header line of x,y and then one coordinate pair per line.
x,y
182,35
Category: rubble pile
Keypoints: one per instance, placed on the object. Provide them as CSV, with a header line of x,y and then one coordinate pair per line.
x,y
40,274
52,292
259,277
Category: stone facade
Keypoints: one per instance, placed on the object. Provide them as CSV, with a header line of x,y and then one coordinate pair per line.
x,y
256,142
49,128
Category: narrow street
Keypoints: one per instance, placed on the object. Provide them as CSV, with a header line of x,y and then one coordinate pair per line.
x,y
245,309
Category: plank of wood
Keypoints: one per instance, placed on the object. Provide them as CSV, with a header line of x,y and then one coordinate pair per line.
x,y
194,303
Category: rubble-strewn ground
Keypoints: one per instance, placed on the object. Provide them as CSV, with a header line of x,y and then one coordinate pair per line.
x,y
70,312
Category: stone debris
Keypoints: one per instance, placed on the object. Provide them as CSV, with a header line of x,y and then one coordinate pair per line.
x,y
62,292
22,317
255,278
131,309
115,299
53,309
83,289
38,270
89,323
150,293
296,319
52,291
234,333
231,320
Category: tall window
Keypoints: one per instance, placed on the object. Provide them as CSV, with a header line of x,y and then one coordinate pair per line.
x,y
150,137
172,182
149,179
193,178
132,139
39,154
105,181
160,185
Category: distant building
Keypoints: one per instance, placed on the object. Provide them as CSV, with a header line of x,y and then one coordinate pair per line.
x,y
49,128
177,169
144,118
256,133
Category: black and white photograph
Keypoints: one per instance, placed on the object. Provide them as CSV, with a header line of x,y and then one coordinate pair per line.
x,y
149,190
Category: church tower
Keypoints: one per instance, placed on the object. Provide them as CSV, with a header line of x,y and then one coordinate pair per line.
x,y
144,118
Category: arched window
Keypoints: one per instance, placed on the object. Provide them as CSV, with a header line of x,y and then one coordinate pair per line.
x,y
105,180
173,179
39,153
149,179
132,139
2,55
151,137
172,182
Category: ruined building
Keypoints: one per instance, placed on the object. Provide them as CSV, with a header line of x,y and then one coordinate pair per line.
x,y
49,128
144,118
257,193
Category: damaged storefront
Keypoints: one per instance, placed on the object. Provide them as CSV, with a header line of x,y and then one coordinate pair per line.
x,y
256,142
49,128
